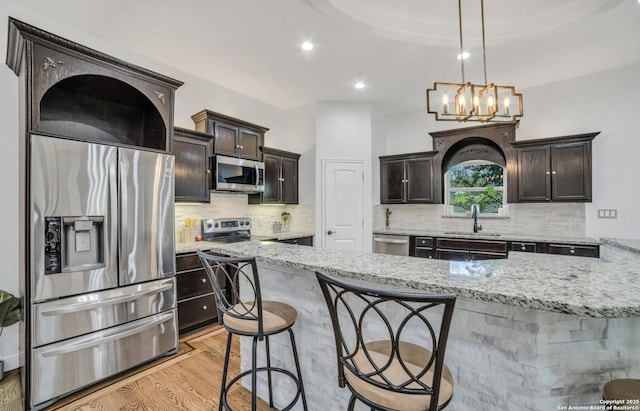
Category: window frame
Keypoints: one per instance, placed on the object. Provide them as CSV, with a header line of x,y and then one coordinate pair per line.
x,y
448,189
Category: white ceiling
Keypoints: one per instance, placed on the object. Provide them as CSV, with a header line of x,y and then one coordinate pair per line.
x,y
397,48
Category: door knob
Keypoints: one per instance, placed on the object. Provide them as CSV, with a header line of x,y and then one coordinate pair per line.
x,y
329,232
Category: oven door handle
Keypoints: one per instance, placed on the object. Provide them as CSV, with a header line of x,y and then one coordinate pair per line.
x,y
85,306
81,345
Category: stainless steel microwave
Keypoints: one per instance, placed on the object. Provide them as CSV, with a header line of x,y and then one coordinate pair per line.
x,y
237,174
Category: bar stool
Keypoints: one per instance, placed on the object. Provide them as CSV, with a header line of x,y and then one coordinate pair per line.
x,y
622,389
252,317
390,345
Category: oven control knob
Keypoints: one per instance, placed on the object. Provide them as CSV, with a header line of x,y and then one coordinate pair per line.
x,y
241,223
215,225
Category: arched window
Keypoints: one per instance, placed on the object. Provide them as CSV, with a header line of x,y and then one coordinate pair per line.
x,y
475,182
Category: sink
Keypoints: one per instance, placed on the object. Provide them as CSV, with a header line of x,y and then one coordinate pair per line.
x,y
472,233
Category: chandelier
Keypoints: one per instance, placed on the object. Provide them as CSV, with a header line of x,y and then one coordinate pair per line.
x,y
473,102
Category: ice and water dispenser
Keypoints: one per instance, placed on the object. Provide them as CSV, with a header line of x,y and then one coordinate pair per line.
x,y
73,244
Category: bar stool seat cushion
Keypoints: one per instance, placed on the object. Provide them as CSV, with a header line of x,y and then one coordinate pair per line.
x,y
276,316
622,389
415,358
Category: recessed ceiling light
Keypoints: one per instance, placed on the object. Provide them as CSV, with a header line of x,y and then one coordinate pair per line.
x,y
306,46
465,54
359,84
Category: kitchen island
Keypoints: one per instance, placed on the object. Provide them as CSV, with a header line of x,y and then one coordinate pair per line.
x,y
531,332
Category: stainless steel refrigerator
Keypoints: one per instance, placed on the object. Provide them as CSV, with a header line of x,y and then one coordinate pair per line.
x,y
102,263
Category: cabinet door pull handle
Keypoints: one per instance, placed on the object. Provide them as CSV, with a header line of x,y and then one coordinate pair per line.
x,y
553,172
208,171
241,147
547,173
572,251
204,280
204,308
523,248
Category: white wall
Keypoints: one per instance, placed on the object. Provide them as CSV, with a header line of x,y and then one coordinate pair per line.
x,y
344,132
607,102
10,244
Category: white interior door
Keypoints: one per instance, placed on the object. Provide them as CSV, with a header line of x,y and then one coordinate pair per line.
x,y
343,205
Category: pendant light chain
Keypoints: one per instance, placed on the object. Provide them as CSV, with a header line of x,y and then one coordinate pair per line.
x,y
474,102
484,52
461,45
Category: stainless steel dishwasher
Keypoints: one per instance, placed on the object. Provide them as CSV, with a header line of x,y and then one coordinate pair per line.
x,y
391,244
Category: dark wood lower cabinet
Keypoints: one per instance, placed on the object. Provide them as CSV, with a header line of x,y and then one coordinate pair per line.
x,y
470,250
457,249
196,301
463,249
422,247
196,313
575,250
526,247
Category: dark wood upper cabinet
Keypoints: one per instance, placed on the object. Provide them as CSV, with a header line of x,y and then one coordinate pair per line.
x,y
555,169
406,178
193,152
281,178
233,137
76,92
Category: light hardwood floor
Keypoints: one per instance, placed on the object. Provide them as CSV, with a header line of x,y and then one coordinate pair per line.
x,y
188,381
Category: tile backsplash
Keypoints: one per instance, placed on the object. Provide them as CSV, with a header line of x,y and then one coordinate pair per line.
x,y
553,219
233,205
263,216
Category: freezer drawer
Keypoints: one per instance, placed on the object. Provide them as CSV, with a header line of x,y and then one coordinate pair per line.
x,y
60,368
70,317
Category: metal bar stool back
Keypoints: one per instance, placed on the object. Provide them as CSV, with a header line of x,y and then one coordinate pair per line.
x,y
390,345
249,315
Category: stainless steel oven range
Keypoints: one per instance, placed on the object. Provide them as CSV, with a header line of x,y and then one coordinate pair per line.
x,y
230,230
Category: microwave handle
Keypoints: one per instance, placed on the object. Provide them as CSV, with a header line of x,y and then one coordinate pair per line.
x,y
257,174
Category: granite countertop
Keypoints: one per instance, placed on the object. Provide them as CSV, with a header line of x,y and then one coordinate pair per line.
x,y
582,286
625,244
492,236
287,235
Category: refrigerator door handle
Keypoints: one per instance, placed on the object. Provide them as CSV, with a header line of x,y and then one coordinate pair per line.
x,y
92,342
114,217
85,306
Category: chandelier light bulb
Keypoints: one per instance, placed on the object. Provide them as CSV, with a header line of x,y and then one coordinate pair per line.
x,y
445,104
506,106
476,103
461,104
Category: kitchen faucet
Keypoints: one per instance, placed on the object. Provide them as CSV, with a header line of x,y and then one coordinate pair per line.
x,y
475,210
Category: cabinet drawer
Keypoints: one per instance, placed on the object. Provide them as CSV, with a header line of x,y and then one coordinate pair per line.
x,y
197,312
424,252
455,255
526,247
472,245
423,241
477,256
195,283
187,262
577,250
